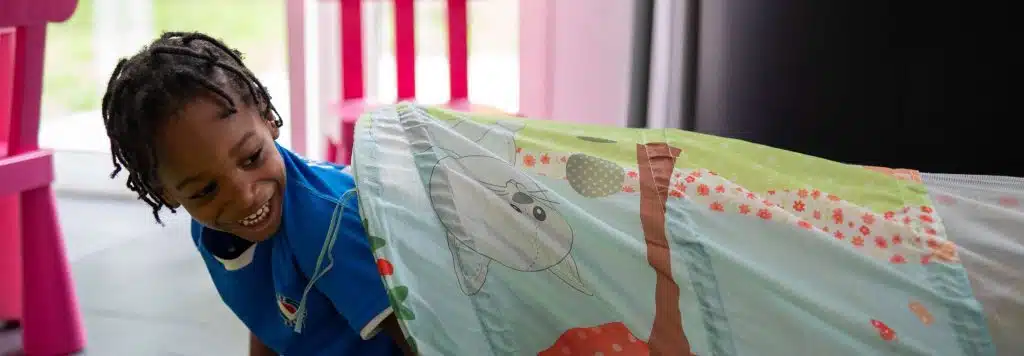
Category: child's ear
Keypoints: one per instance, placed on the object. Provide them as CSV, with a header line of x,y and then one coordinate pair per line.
x,y
274,130
171,203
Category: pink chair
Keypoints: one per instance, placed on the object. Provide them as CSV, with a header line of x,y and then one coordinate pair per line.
x,y
10,247
339,141
49,314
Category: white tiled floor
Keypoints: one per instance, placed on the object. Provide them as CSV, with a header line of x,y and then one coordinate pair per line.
x,y
142,288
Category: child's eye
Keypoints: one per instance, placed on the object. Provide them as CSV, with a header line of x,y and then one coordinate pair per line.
x,y
208,190
253,159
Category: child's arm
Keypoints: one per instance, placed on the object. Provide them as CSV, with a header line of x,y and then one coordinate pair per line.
x,y
257,348
391,327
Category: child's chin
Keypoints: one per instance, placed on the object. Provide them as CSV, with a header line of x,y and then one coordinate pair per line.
x,y
259,234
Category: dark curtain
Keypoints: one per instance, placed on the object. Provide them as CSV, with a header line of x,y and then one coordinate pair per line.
x,y
923,85
643,11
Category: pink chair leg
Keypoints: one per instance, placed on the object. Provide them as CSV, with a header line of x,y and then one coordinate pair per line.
x,y
10,259
51,323
331,151
348,137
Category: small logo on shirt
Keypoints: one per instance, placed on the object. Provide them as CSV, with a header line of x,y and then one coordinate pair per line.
x,y
288,308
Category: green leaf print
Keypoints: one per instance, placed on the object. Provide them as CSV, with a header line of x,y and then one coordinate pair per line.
x,y
397,296
400,293
595,139
404,313
376,243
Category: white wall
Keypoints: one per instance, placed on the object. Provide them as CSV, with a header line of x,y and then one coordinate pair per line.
x,y
668,39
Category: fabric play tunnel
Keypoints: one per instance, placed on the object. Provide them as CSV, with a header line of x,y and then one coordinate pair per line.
x,y
498,235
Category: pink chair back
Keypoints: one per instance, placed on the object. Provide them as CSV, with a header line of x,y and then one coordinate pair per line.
x,y
30,239
23,25
27,20
10,245
352,104
353,84
6,85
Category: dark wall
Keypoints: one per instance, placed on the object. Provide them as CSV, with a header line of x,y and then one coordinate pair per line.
x,y
643,19
927,85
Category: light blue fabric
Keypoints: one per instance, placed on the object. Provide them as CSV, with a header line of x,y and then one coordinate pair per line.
x,y
489,274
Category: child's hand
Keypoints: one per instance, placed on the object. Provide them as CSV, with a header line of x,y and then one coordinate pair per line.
x,y
390,326
257,348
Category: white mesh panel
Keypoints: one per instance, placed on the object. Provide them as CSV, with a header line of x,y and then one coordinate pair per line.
x,y
985,217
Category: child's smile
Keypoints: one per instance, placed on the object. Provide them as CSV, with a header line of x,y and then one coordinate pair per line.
x,y
264,220
255,219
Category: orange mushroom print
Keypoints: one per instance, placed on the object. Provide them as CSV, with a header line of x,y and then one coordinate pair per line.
x,y
608,340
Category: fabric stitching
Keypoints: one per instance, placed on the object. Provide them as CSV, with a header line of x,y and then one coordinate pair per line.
x,y
320,270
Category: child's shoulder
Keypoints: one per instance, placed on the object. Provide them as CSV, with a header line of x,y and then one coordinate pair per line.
x,y
321,210
317,195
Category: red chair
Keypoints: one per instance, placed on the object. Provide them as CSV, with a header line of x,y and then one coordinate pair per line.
x,y
352,105
49,314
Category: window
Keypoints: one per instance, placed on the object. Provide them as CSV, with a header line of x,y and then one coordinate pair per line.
x,y
81,54
493,59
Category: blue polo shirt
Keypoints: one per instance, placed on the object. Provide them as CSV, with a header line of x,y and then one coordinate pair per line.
x,y
313,288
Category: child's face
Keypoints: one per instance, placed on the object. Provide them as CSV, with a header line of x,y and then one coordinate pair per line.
x,y
226,172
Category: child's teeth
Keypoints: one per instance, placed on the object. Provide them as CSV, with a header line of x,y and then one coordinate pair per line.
x,y
256,217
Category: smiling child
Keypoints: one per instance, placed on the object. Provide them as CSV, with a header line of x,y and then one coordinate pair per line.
x,y
281,236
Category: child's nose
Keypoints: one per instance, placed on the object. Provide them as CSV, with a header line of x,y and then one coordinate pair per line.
x,y
247,198
244,191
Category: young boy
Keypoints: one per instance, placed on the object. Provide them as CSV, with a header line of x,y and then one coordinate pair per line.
x,y
282,237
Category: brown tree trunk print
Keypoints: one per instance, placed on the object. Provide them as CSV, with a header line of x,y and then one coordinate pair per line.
x,y
656,161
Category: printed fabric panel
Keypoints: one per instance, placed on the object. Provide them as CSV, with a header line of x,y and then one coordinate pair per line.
x,y
499,235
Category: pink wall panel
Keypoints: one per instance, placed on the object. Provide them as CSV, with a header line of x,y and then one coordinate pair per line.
x,y
575,60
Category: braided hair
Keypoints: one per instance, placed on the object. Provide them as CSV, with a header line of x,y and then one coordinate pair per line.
x,y
154,85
